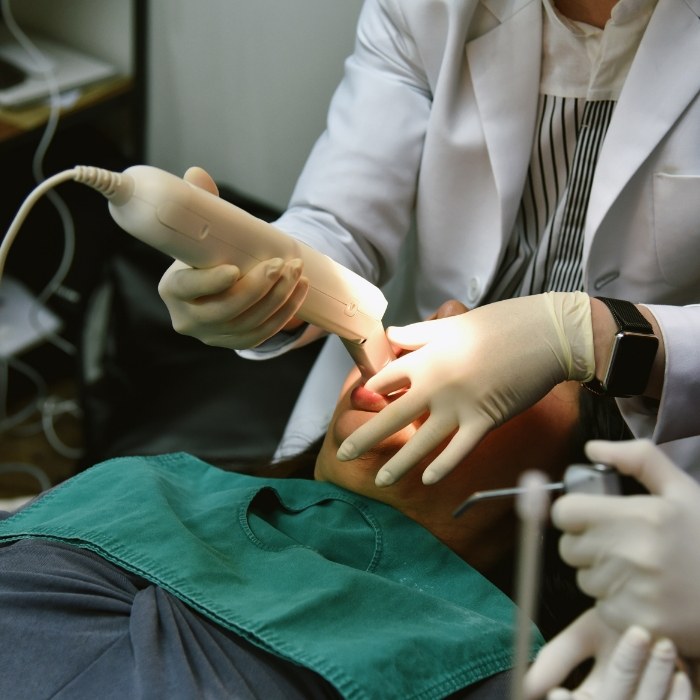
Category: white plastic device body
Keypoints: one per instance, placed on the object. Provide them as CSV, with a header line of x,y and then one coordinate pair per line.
x,y
203,230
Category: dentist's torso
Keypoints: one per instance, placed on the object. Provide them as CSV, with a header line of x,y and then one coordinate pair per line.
x,y
461,79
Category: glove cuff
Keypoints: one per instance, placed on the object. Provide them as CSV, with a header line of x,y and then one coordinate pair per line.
x,y
572,314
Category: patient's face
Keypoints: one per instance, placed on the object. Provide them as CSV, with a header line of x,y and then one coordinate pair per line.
x,y
539,438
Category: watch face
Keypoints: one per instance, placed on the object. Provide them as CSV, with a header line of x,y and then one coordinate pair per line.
x,y
630,364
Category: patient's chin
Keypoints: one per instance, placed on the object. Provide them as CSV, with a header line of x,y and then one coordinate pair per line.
x,y
349,421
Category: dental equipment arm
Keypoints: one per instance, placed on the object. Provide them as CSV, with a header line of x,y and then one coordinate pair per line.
x,y
200,229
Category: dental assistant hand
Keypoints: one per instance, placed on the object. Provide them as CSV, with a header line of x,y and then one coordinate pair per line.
x,y
626,667
219,307
472,373
638,555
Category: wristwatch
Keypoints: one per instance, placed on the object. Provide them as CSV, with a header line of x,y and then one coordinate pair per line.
x,y
632,356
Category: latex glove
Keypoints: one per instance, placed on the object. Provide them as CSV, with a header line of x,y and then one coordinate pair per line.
x,y
219,307
627,667
638,555
473,372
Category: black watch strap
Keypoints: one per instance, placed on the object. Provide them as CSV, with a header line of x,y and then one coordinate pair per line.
x,y
627,316
633,352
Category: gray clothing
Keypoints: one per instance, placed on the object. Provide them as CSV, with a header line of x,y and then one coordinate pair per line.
x,y
74,626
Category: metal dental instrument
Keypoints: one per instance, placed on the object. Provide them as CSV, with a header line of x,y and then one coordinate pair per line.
x,y
599,479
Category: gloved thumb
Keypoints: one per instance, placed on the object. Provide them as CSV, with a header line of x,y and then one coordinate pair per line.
x,y
415,335
643,461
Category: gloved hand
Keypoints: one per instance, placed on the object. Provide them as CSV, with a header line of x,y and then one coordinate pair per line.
x,y
637,555
473,372
627,667
219,307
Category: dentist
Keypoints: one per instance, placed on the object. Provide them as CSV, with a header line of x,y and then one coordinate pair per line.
x,y
497,152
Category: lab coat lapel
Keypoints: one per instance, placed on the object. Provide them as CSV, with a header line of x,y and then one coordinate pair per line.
x,y
663,79
505,70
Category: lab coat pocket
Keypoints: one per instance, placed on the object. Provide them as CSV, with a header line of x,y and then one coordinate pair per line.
x,y
677,227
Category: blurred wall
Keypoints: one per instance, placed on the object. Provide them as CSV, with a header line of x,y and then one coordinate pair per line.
x,y
98,27
242,87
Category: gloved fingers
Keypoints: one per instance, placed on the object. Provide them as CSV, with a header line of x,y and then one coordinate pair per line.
x,y
561,655
426,439
180,282
626,668
220,309
627,665
577,512
271,280
251,310
640,673
201,178
560,694
390,420
207,317
272,324
236,318
574,553
603,566
584,694
602,577
620,611
659,671
454,452
681,688
595,549
645,462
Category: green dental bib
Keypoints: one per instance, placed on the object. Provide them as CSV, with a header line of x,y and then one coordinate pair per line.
x,y
333,581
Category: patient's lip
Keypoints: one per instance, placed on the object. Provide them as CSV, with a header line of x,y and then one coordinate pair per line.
x,y
362,399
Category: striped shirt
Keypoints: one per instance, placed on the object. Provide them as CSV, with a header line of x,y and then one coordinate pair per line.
x,y
583,71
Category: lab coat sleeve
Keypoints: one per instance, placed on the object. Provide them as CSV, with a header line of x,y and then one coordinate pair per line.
x,y
677,414
354,198
282,343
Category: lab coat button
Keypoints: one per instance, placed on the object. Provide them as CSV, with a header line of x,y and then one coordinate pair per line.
x,y
473,289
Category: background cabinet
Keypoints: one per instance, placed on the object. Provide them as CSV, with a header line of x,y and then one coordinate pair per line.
x,y
114,32
102,124
241,88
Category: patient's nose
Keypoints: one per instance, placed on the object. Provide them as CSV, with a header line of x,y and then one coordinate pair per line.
x,y
364,400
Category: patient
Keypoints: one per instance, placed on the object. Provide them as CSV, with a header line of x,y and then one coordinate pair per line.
x,y
167,577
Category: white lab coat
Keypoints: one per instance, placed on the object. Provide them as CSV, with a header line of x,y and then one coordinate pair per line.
x,y
434,119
